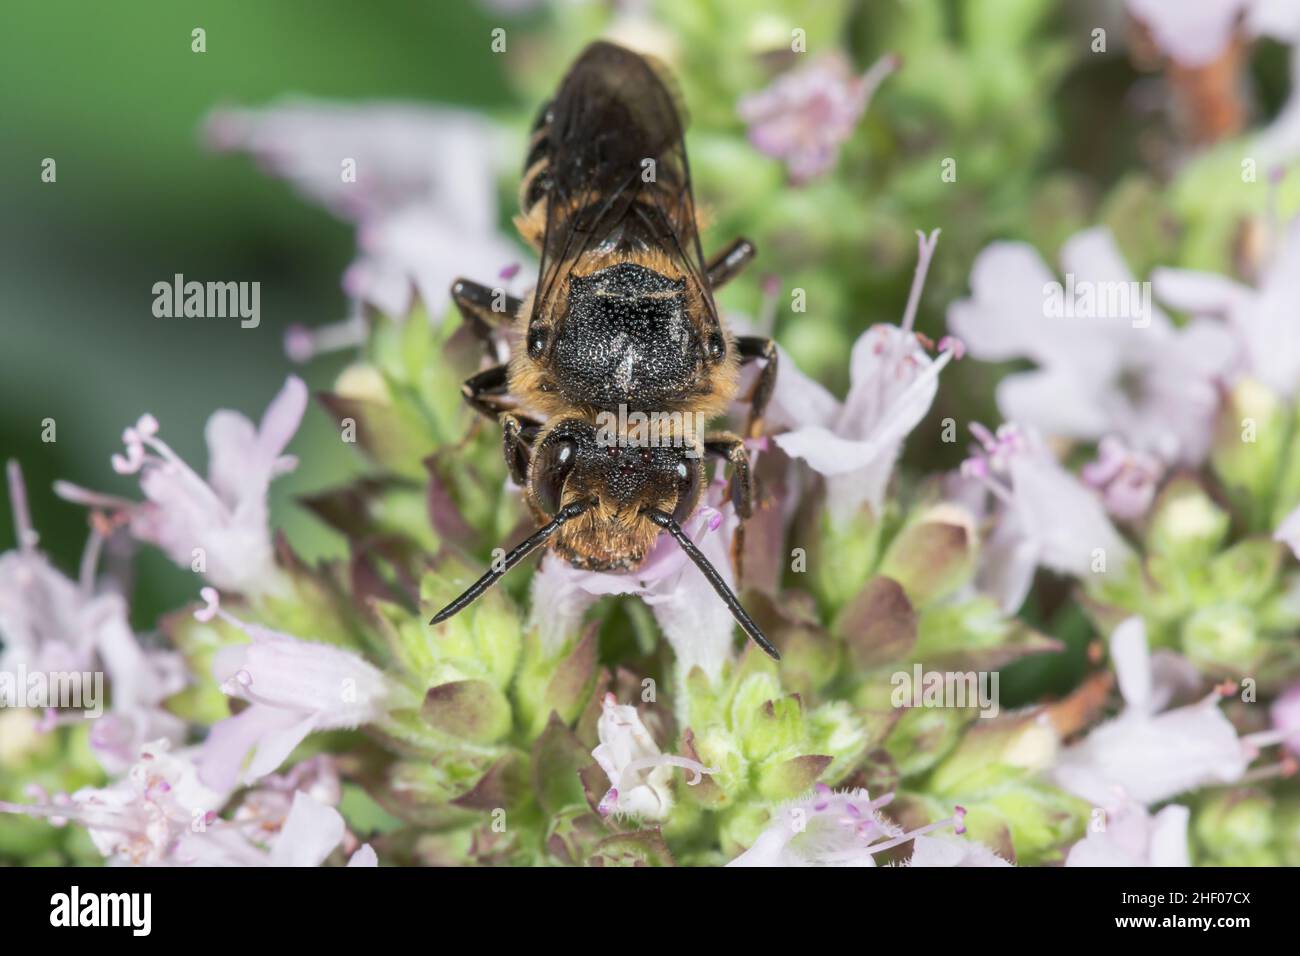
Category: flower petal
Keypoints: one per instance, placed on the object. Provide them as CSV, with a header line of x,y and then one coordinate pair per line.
x,y
309,835
1151,759
1193,32
1199,293
365,856
229,742
952,851
1128,652
1066,520
1003,319
1168,846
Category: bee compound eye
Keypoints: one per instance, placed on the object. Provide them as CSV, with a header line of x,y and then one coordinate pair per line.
x,y
717,346
551,470
536,341
689,480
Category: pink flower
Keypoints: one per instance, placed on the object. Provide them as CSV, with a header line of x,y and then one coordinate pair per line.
x,y
52,624
952,851
155,814
267,805
141,681
161,814
804,116
1130,836
1126,479
639,775
218,526
893,383
1047,517
418,181
1109,362
44,617
294,688
842,828
1149,754
310,834
1262,320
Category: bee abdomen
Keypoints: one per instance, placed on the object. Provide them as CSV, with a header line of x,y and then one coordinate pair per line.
x,y
536,182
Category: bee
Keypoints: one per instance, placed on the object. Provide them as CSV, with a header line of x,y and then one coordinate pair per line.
x,y
622,322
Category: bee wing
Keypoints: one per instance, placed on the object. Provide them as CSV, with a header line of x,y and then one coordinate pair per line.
x,y
618,174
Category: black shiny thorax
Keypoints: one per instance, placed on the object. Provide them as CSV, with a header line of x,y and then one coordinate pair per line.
x,y
627,339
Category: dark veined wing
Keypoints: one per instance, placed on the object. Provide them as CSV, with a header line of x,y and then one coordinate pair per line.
x,y
613,112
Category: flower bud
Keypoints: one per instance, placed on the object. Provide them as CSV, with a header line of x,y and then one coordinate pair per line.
x,y
1249,440
878,625
1222,637
787,779
482,641
934,554
1041,820
20,739
837,729
809,658
1186,525
718,749
774,725
923,736
845,556
471,710
996,752
1248,571
1236,829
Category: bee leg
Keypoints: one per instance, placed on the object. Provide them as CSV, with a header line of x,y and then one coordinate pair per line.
x,y
730,262
756,348
486,391
732,450
518,434
484,309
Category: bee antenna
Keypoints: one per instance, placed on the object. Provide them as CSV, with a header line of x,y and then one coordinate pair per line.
x,y
531,544
755,633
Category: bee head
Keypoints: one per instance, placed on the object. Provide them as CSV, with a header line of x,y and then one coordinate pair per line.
x,y
580,461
